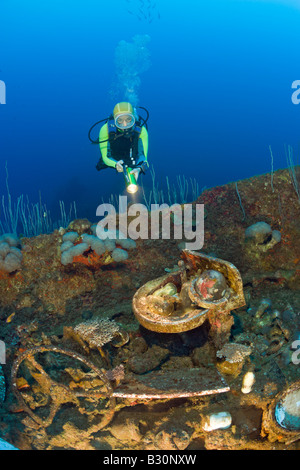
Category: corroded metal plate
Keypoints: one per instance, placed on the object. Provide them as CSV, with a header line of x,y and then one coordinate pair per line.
x,y
172,384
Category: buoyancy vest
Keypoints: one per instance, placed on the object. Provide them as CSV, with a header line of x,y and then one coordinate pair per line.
x,y
124,145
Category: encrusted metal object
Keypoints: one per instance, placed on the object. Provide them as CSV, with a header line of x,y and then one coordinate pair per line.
x,y
164,384
281,419
194,301
60,394
172,384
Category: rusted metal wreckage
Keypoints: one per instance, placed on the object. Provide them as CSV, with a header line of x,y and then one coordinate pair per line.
x,y
202,289
188,302
154,385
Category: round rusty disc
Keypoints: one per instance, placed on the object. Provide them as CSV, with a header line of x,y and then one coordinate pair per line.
x,y
186,315
176,322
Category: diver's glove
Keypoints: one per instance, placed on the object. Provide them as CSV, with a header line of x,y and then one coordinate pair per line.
x,y
144,166
119,166
99,165
135,172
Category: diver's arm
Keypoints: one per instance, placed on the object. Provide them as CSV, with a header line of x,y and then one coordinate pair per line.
x,y
143,146
105,147
142,154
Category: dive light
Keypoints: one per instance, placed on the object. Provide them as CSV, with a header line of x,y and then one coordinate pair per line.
x,y
131,184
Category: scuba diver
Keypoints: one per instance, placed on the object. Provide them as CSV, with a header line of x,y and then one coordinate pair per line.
x,y
123,142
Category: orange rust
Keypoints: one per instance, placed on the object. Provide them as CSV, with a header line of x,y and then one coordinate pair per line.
x,y
22,383
19,276
92,259
217,324
3,275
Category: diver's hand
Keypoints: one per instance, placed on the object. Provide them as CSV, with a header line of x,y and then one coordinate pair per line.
x,y
119,166
135,172
144,166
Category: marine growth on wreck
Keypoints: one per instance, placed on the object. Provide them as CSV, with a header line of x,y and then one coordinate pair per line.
x,y
149,227
204,345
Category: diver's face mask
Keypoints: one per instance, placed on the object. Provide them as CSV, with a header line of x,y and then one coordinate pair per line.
x,y
124,121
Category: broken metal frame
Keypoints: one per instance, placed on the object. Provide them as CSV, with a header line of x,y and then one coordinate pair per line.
x,y
166,384
157,385
60,394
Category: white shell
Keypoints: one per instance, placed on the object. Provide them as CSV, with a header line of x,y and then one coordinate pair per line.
x,y
220,420
248,381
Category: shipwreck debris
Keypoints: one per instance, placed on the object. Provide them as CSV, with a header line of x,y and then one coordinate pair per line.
x,y
233,357
281,419
168,384
59,393
165,384
207,288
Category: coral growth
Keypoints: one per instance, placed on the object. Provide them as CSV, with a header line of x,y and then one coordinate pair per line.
x,y
10,253
262,236
234,352
97,332
37,303
90,250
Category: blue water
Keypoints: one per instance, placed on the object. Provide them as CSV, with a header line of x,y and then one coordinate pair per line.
x,y
218,91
